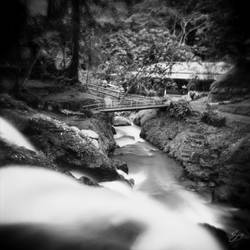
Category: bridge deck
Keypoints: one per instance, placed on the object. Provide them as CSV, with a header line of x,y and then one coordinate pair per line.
x,y
130,108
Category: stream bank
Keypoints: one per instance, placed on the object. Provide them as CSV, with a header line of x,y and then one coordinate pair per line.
x,y
65,143
215,158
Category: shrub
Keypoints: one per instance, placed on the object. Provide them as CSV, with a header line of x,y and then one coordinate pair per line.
x,y
211,118
179,109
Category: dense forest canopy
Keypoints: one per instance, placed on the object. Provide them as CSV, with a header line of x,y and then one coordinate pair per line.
x,y
62,36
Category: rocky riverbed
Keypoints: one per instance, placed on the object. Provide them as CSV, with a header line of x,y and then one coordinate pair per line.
x,y
215,159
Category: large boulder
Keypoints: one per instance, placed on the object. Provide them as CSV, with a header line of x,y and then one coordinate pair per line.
x,y
67,147
101,128
144,115
64,145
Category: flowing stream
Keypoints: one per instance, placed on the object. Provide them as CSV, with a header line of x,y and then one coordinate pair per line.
x,y
67,214
157,175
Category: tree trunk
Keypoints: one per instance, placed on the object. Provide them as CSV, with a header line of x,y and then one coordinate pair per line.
x,y
74,68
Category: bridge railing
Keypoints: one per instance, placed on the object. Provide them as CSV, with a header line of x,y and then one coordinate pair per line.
x,y
93,106
120,100
116,105
126,104
107,87
119,95
105,91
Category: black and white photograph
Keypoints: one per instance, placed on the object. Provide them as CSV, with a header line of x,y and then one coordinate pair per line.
x,y
124,125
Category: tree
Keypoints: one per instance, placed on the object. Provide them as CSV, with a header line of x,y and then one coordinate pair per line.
x,y
224,32
78,7
74,68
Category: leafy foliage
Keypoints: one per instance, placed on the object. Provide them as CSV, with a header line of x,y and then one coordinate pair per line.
x,y
211,118
179,109
118,39
141,39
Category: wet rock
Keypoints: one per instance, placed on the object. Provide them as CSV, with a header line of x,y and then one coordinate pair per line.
x,y
113,131
69,174
122,165
218,234
87,181
95,143
131,182
121,121
89,133
11,154
126,179
144,115
102,128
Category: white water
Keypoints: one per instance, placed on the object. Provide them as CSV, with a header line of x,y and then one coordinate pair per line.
x,y
98,218
9,133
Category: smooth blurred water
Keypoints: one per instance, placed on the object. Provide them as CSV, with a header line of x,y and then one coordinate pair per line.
x,y
157,175
9,133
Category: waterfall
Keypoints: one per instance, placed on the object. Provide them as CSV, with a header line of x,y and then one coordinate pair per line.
x,y
69,210
10,134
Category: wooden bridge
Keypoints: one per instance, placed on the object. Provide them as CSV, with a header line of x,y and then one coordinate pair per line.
x,y
128,106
